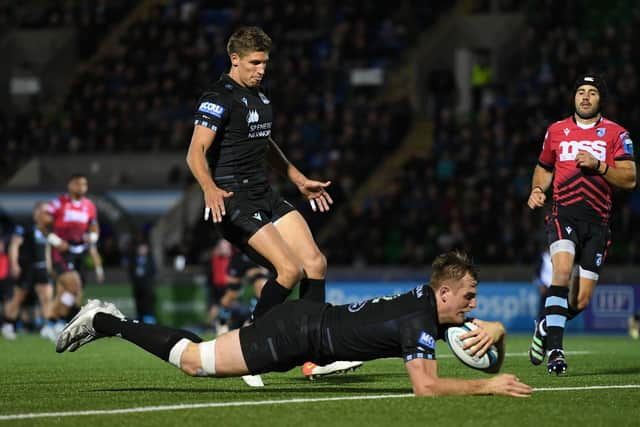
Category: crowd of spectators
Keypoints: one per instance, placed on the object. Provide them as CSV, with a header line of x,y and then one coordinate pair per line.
x,y
470,189
467,191
92,19
140,96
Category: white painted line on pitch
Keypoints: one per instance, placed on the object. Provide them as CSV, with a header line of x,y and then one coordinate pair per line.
x,y
569,353
589,387
196,406
260,403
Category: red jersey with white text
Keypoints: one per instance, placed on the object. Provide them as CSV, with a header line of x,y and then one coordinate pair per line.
x,y
583,193
71,218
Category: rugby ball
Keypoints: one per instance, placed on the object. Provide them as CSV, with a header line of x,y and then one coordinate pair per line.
x,y
452,337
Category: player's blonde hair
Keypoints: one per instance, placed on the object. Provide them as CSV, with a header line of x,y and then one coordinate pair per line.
x,y
451,267
246,40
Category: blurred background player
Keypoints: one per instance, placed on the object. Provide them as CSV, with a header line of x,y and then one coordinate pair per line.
x,y
6,291
27,255
242,273
217,264
142,272
585,157
75,233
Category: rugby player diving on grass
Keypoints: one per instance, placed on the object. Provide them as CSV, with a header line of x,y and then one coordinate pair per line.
x,y
404,326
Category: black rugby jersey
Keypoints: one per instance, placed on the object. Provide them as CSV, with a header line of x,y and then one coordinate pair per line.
x,y
404,326
241,118
32,252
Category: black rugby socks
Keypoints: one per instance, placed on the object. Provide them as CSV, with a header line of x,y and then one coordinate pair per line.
x,y
312,289
273,293
156,339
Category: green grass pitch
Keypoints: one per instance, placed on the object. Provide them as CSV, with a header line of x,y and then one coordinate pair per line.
x,y
113,374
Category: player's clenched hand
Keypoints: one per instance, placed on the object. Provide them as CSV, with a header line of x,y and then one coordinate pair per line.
x,y
483,337
315,192
536,198
214,203
585,159
508,385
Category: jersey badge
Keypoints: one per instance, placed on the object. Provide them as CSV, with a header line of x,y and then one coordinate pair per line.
x,y
566,131
253,116
244,101
257,216
598,259
264,99
601,132
569,229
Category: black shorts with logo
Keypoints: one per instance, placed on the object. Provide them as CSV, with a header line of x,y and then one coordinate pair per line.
x,y
287,336
592,240
250,208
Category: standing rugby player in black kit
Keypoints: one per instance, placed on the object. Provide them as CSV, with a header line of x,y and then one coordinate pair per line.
x,y
27,253
230,144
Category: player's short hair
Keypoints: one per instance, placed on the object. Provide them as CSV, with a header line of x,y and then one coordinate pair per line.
x,y
452,265
246,40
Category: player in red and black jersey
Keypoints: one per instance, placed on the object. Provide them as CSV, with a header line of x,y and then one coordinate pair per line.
x,y
75,233
585,157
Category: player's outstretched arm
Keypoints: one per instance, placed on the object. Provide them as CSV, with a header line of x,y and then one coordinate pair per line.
x,y
314,191
425,381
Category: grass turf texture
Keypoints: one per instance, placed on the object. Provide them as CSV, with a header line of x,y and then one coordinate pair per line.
x,y
114,374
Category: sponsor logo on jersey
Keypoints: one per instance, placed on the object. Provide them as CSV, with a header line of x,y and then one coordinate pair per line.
x,y
257,216
569,229
264,99
569,149
566,131
356,306
427,340
244,101
253,116
211,108
601,132
75,216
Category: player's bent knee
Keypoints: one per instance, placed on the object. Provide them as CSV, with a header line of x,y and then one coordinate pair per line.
x,y
196,360
70,282
290,274
316,265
